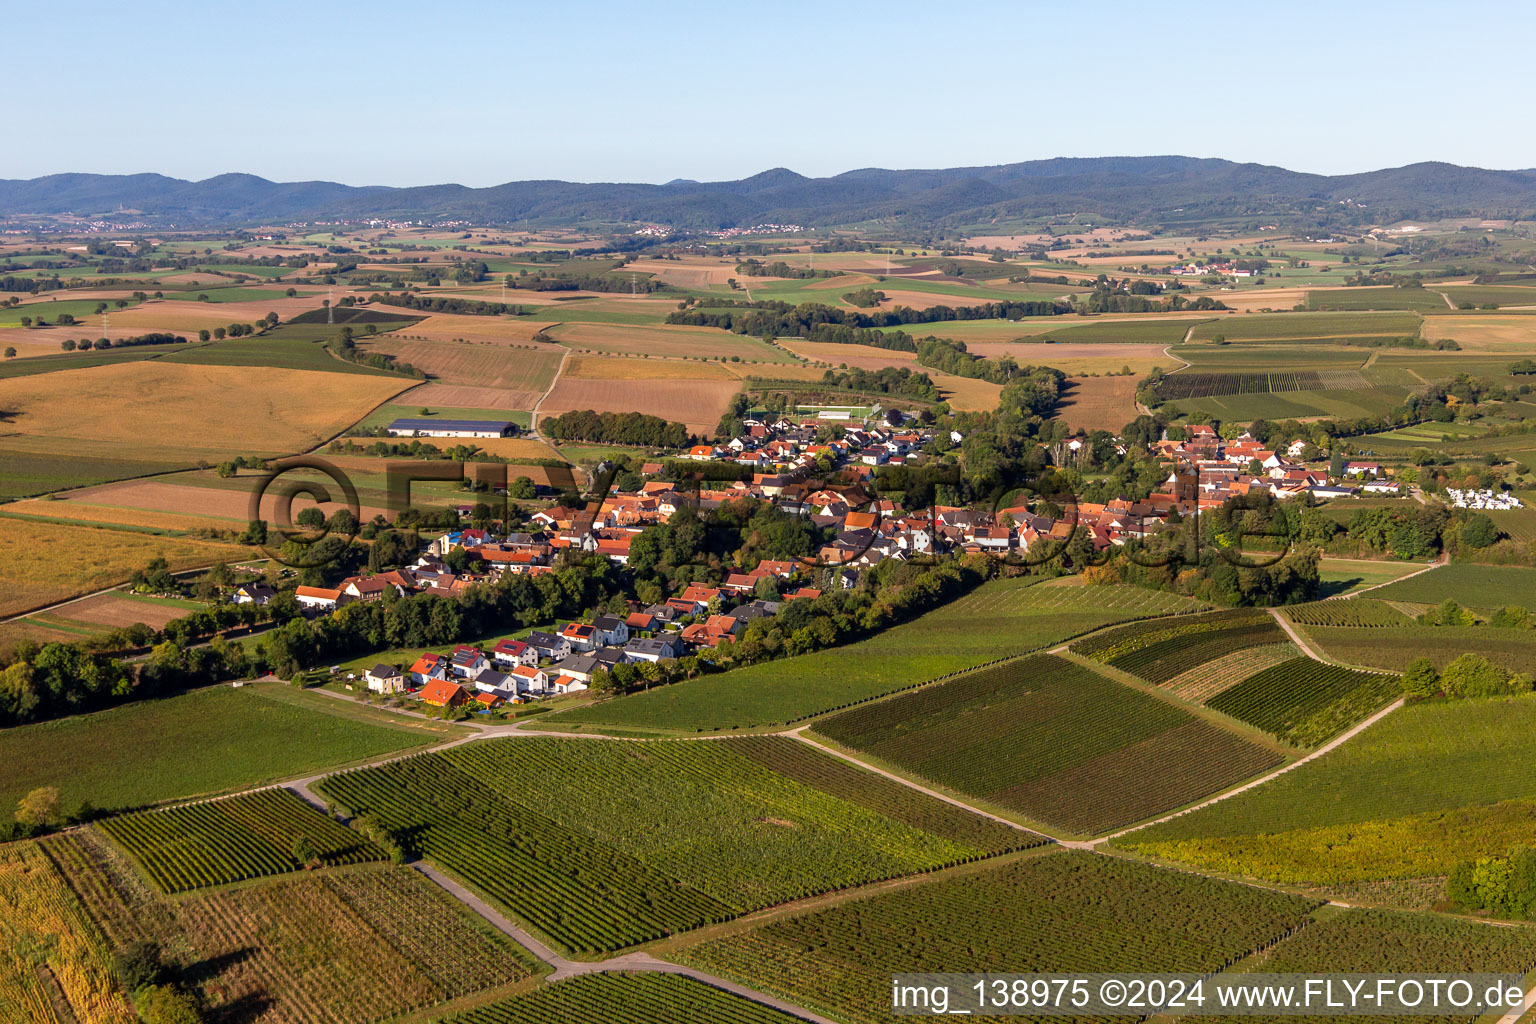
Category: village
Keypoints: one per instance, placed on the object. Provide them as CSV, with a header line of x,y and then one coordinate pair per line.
x,y
795,465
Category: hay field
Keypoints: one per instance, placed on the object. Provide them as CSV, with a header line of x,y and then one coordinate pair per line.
x,y
669,340
183,410
479,364
66,561
1511,334
1099,403
697,403
631,368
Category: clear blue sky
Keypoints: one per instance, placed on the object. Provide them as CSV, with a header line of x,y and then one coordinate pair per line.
x,y
480,93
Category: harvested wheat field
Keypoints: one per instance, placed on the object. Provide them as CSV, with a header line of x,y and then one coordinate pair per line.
x,y
1265,298
663,341
1098,403
689,272
115,610
478,364
1079,359
448,326
966,394
157,409
633,368
67,561
516,448
68,506
222,507
863,357
189,315
699,404
457,396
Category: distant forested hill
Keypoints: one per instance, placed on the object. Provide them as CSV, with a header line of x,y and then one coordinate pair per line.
x,y
1156,189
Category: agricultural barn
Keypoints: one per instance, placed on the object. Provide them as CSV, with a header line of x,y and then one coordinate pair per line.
x,y
450,428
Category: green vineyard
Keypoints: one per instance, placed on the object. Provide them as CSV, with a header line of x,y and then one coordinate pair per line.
x,y
1056,912
1054,741
601,845
804,763
1306,702
620,998
586,895
1159,651
233,840
1361,612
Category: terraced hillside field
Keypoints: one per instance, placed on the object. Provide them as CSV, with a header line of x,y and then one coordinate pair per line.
x,y
1054,741
660,837
1064,912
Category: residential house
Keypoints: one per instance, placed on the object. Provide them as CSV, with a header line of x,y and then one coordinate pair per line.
x,y
580,635
514,652
580,666
321,599
651,649
548,645
253,593
384,678
610,630
441,693
468,662
428,667
567,684
529,679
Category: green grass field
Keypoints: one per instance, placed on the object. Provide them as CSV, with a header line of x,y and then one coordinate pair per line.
x,y
1056,912
1282,326
280,347
1149,332
30,473
83,310
205,741
1421,299
1347,575
1054,741
998,619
